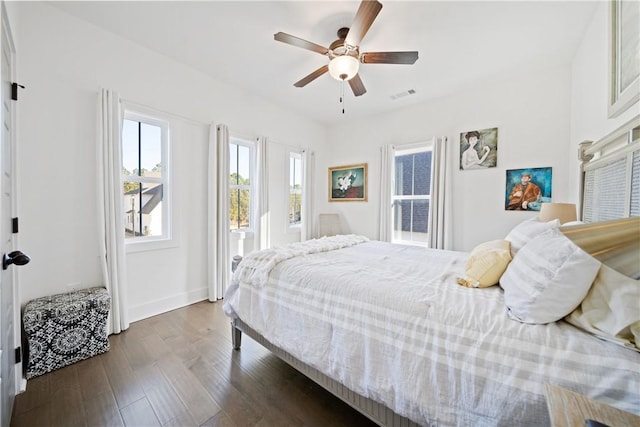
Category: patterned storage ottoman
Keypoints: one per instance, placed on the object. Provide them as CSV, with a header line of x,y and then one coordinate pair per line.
x,y
65,328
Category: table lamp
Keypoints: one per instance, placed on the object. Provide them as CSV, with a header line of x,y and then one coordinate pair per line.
x,y
565,212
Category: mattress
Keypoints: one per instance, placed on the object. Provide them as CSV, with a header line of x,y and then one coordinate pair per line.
x,y
390,323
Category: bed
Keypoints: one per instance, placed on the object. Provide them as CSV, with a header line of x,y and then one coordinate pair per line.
x,y
389,329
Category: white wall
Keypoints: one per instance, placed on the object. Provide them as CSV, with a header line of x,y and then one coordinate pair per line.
x,y
63,62
161,280
590,89
531,112
541,115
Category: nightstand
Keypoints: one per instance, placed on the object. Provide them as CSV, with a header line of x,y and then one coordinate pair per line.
x,y
569,409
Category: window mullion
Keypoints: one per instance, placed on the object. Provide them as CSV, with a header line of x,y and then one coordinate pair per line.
x,y
238,204
413,191
143,179
237,218
139,174
418,197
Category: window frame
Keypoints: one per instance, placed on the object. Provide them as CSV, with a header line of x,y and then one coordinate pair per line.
x,y
251,144
167,238
295,227
421,147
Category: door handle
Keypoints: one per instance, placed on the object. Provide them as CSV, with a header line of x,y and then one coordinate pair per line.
x,y
15,257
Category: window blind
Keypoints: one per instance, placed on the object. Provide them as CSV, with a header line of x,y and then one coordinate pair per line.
x,y
635,185
611,179
605,193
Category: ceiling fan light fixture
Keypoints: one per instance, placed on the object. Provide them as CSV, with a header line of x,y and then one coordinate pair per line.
x,y
344,67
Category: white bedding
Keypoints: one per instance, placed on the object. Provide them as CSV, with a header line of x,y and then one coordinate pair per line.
x,y
257,265
390,323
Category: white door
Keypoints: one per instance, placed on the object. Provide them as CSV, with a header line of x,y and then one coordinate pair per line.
x,y
7,286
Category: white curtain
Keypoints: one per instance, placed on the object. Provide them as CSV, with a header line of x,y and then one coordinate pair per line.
x,y
263,214
110,209
387,154
440,206
218,207
308,167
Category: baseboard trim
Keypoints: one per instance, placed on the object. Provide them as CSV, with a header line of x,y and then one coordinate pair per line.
x,y
163,305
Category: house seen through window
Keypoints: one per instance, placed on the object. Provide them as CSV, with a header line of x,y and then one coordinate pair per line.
x,y
412,195
241,160
144,148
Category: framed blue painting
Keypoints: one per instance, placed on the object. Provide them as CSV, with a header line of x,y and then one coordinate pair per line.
x,y
526,189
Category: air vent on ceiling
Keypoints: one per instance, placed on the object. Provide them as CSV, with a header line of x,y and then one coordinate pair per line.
x,y
403,94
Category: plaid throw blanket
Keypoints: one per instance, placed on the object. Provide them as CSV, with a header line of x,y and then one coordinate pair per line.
x,y
256,266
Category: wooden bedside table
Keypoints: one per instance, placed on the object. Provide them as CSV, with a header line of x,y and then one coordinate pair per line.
x,y
569,409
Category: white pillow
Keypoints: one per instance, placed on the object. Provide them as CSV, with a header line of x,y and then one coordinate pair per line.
x,y
527,230
547,279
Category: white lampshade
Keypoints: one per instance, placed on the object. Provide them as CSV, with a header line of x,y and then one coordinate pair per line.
x,y
344,67
565,212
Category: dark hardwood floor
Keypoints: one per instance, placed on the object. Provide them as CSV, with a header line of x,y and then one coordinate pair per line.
x,y
178,369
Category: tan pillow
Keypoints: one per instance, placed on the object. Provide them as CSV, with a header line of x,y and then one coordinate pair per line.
x,y
486,264
610,309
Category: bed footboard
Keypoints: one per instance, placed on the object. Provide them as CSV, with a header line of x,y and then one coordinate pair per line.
x,y
371,409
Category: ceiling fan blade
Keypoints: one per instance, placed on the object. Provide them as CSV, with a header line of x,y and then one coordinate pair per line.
x,y
357,86
389,57
296,41
365,16
311,77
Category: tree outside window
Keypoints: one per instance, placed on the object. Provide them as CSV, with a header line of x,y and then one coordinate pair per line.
x,y
240,187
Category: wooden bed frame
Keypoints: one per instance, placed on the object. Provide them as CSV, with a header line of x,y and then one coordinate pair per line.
x,y
615,243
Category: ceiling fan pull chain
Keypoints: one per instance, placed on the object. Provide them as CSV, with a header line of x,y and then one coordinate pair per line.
x,y
342,95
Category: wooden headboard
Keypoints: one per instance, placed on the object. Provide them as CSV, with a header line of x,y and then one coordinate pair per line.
x,y
610,184
610,199
615,243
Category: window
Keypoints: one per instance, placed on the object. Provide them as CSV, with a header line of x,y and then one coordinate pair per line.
x,y
145,178
295,189
241,161
411,195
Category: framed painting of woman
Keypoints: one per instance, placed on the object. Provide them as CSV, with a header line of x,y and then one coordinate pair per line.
x,y
479,149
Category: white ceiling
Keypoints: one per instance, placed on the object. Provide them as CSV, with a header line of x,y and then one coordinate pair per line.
x,y
460,44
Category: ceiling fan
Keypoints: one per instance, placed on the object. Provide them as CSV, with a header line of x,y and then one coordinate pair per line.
x,y
344,54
